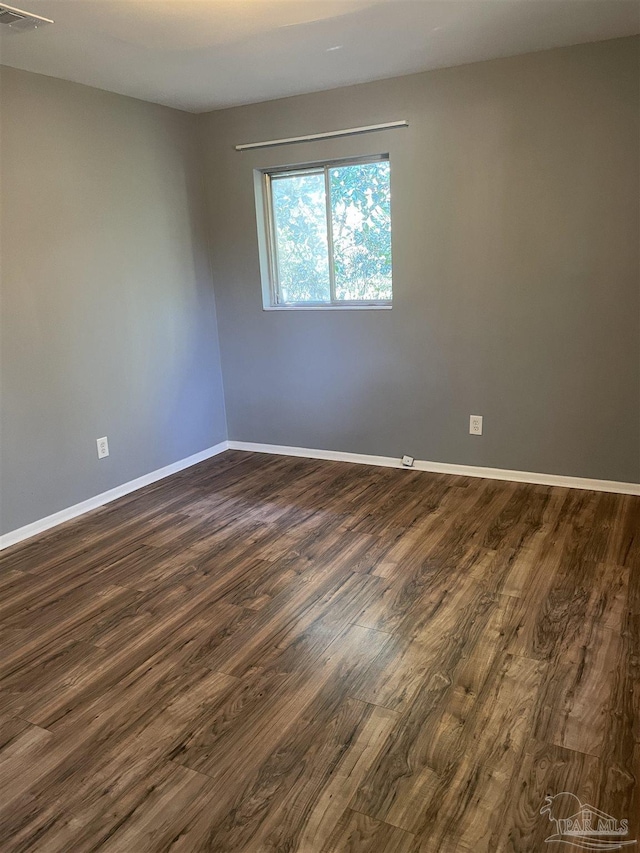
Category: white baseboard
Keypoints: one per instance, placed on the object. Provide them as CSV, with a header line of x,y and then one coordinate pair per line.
x,y
15,536
445,468
57,518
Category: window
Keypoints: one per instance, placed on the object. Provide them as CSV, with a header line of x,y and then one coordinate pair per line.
x,y
327,235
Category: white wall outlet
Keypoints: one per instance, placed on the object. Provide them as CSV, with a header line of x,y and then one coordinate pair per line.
x,y
407,461
475,425
103,447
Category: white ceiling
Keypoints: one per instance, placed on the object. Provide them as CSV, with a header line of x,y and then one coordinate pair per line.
x,y
204,54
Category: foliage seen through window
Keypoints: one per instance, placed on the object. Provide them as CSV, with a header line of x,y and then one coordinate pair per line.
x,y
331,234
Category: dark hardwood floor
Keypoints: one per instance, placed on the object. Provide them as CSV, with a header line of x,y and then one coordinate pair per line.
x,y
273,654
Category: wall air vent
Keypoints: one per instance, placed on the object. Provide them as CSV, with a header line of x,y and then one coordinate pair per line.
x,y
15,20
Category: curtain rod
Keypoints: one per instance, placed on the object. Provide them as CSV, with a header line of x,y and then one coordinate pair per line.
x,y
349,131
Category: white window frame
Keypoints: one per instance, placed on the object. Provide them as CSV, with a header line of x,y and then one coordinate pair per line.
x,y
267,238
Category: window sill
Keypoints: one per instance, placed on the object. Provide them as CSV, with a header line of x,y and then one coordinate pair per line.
x,y
327,307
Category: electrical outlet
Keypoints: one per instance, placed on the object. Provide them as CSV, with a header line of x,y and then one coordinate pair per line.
x,y
475,425
407,461
103,447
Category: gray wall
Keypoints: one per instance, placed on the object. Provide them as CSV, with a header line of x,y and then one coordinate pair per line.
x,y
108,316
516,279
515,212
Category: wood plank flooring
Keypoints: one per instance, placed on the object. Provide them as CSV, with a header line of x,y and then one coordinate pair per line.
x,y
264,654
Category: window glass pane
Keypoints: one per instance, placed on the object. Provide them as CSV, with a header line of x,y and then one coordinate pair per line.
x,y
300,224
361,223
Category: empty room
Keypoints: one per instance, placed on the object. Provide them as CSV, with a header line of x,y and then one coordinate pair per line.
x,y
320,426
